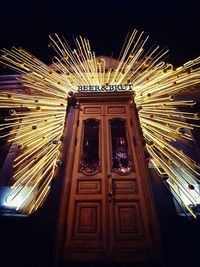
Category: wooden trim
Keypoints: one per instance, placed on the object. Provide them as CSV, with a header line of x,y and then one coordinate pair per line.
x,y
63,207
104,97
148,195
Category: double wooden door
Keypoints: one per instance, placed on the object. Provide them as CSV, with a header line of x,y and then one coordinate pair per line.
x,y
109,216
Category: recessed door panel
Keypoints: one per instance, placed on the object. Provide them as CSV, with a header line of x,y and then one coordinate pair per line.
x,y
87,220
89,186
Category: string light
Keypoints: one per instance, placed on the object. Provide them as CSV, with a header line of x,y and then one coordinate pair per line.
x,y
37,112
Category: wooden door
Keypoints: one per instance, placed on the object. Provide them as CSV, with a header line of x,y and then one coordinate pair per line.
x,y
111,213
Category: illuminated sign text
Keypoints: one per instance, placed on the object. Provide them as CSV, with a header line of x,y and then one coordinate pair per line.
x,y
104,88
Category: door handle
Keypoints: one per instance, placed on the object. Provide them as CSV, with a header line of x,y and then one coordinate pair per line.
x,y
110,196
110,188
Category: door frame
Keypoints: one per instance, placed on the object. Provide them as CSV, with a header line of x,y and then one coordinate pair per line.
x,y
70,129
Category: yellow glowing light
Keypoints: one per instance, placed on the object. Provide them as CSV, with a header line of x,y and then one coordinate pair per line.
x,y
37,119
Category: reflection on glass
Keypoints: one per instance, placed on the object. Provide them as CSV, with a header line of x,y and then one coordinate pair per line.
x,y
89,163
121,160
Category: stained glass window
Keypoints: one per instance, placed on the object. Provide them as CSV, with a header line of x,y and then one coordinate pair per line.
x,y
121,159
89,163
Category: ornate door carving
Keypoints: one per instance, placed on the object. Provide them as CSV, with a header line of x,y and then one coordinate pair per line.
x,y
111,213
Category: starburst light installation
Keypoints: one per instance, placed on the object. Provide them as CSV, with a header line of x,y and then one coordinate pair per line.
x,y
35,121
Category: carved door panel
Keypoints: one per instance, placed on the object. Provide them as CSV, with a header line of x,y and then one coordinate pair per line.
x,y
129,233
107,218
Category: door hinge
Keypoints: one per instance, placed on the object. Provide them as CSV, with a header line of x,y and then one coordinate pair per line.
x,y
134,142
151,231
75,141
65,232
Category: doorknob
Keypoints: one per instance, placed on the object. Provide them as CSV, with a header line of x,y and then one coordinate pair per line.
x,y
110,194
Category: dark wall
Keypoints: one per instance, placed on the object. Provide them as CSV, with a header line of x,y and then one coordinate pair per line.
x,y
180,234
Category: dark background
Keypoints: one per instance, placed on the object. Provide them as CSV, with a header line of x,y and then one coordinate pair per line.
x,y
173,24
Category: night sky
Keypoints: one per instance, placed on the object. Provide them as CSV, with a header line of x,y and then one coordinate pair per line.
x,y
172,24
